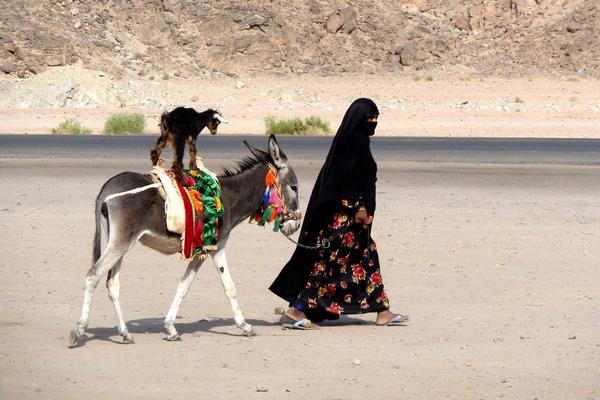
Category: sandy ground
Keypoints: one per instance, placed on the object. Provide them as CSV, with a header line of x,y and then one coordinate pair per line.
x,y
497,266
448,105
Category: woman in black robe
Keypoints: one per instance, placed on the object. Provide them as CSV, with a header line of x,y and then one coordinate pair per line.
x,y
343,278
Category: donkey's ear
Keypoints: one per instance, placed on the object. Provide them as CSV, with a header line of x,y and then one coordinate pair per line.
x,y
277,155
256,152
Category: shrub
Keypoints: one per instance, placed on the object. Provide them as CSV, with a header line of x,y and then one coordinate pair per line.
x,y
71,127
317,125
296,126
124,124
519,100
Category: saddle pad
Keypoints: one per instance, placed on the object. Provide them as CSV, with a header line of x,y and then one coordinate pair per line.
x,y
193,209
174,208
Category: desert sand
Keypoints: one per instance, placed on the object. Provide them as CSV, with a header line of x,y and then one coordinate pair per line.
x,y
496,265
451,104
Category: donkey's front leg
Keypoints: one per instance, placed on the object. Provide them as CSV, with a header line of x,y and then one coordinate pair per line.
x,y
220,261
182,288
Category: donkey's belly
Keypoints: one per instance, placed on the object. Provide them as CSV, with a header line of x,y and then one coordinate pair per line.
x,y
170,244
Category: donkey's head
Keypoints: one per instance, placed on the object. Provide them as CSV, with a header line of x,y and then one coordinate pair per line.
x,y
214,119
286,178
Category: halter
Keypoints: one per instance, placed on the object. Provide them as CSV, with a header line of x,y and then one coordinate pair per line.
x,y
273,207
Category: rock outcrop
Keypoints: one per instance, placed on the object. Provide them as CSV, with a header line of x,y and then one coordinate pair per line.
x,y
162,38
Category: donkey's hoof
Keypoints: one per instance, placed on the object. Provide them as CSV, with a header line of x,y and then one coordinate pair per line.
x,y
173,338
74,337
128,339
249,331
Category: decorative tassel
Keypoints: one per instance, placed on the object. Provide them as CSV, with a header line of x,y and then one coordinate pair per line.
x,y
267,215
273,197
272,206
270,179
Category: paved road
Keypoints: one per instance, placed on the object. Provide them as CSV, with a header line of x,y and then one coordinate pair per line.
x,y
452,150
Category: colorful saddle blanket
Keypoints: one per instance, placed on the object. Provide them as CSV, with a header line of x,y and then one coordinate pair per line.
x,y
193,209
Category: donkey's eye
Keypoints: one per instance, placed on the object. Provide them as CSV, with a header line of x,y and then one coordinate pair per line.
x,y
294,188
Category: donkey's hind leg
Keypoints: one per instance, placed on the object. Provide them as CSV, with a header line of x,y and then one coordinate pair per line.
x,y
111,256
182,289
220,259
113,286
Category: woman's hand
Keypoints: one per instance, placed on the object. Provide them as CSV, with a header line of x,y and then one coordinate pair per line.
x,y
361,217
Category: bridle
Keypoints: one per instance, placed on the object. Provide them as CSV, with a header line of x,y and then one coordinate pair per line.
x,y
274,198
273,207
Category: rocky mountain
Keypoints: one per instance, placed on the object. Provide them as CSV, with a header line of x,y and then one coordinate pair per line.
x,y
163,38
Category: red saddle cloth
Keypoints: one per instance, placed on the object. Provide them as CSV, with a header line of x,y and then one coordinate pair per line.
x,y
189,236
201,205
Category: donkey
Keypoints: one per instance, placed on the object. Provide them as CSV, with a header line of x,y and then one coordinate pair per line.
x,y
181,126
139,215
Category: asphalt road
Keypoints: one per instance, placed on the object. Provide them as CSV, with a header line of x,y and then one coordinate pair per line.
x,y
449,150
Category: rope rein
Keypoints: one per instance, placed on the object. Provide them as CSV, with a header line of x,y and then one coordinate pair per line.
x,y
324,244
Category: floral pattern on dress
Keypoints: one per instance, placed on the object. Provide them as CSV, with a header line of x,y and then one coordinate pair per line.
x,y
345,278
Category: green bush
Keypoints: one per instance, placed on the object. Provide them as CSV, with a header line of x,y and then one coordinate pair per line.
x,y
124,124
71,127
317,125
296,126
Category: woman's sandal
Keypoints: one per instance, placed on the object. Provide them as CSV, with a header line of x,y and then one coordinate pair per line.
x,y
398,320
303,324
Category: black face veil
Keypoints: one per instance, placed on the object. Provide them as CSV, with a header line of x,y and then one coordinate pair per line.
x,y
349,172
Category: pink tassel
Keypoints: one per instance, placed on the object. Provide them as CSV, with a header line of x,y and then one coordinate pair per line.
x,y
274,198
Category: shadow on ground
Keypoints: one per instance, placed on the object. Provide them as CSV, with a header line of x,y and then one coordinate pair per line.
x,y
212,326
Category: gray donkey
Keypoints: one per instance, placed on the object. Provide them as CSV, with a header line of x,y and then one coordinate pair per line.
x,y
139,215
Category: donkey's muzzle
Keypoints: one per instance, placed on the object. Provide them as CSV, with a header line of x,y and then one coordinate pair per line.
x,y
291,216
290,222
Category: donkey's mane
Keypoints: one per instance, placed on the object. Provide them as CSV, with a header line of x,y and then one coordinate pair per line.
x,y
244,165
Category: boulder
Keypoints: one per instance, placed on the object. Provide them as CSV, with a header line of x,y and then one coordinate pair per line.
x,y
241,44
341,20
573,27
7,68
54,61
167,5
463,23
408,54
334,23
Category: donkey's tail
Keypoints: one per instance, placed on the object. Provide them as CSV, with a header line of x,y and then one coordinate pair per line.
x,y
100,214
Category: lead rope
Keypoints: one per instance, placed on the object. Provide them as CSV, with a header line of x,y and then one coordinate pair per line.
x,y
323,245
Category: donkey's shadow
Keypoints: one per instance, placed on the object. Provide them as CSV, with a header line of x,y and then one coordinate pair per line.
x,y
156,326
209,326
